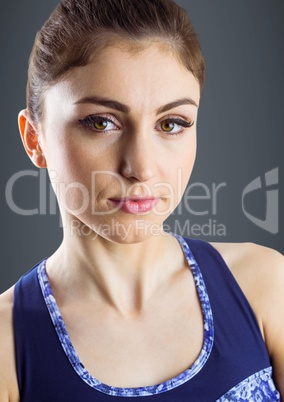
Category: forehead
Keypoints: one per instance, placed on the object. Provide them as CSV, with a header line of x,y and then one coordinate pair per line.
x,y
144,76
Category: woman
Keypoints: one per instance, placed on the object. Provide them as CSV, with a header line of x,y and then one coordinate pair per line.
x,y
123,309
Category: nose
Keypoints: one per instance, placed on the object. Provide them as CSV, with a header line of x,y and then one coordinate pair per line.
x,y
138,159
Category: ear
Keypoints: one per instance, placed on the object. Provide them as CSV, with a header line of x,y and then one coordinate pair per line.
x,y
30,138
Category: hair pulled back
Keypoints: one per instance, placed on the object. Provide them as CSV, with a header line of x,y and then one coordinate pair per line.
x,y
78,28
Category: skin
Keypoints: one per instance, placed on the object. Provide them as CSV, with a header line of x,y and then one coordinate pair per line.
x,y
94,267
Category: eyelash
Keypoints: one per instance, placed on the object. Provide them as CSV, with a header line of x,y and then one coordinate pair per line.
x,y
89,122
179,122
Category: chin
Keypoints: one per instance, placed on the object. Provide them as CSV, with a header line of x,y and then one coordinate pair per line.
x,y
123,229
129,232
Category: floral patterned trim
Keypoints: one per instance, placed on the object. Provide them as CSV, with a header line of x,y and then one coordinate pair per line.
x,y
139,391
258,387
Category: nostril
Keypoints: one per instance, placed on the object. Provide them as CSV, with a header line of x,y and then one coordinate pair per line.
x,y
138,160
137,171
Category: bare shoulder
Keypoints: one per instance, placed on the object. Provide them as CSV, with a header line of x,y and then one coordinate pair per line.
x,y
8,378
259,270
253,254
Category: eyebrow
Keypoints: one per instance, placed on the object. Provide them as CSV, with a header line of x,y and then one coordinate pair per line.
x,y
179,102
126,109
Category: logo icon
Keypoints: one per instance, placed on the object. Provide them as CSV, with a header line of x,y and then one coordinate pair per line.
x,y
271,221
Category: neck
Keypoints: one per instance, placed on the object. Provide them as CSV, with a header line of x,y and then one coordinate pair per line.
x,y
123,275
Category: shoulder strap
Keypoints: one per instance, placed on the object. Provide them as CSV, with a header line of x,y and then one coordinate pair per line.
x,y
237,333
44,371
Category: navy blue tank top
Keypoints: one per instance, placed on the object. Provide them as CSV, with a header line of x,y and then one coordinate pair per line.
x,y
233,364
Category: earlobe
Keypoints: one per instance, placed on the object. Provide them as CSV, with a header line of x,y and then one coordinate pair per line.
x,y
30,139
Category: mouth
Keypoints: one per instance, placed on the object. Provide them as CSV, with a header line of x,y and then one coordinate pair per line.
x,y
135,204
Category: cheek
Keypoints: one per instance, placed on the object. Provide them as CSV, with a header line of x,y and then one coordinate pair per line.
x,y
179,167
69,161
189,160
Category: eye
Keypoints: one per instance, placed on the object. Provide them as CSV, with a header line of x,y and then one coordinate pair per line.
x,y
175,125
99,123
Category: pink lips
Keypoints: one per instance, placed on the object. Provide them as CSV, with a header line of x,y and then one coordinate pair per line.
x,y
135,204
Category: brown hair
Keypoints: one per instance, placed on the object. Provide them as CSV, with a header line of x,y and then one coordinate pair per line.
x,y
77,28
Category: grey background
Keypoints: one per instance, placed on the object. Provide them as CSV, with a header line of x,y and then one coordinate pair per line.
x,y
240,128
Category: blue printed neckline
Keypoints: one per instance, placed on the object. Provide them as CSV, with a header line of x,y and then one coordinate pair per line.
x,y
137,391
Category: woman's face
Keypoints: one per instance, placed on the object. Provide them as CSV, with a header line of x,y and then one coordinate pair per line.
x,y
119,138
